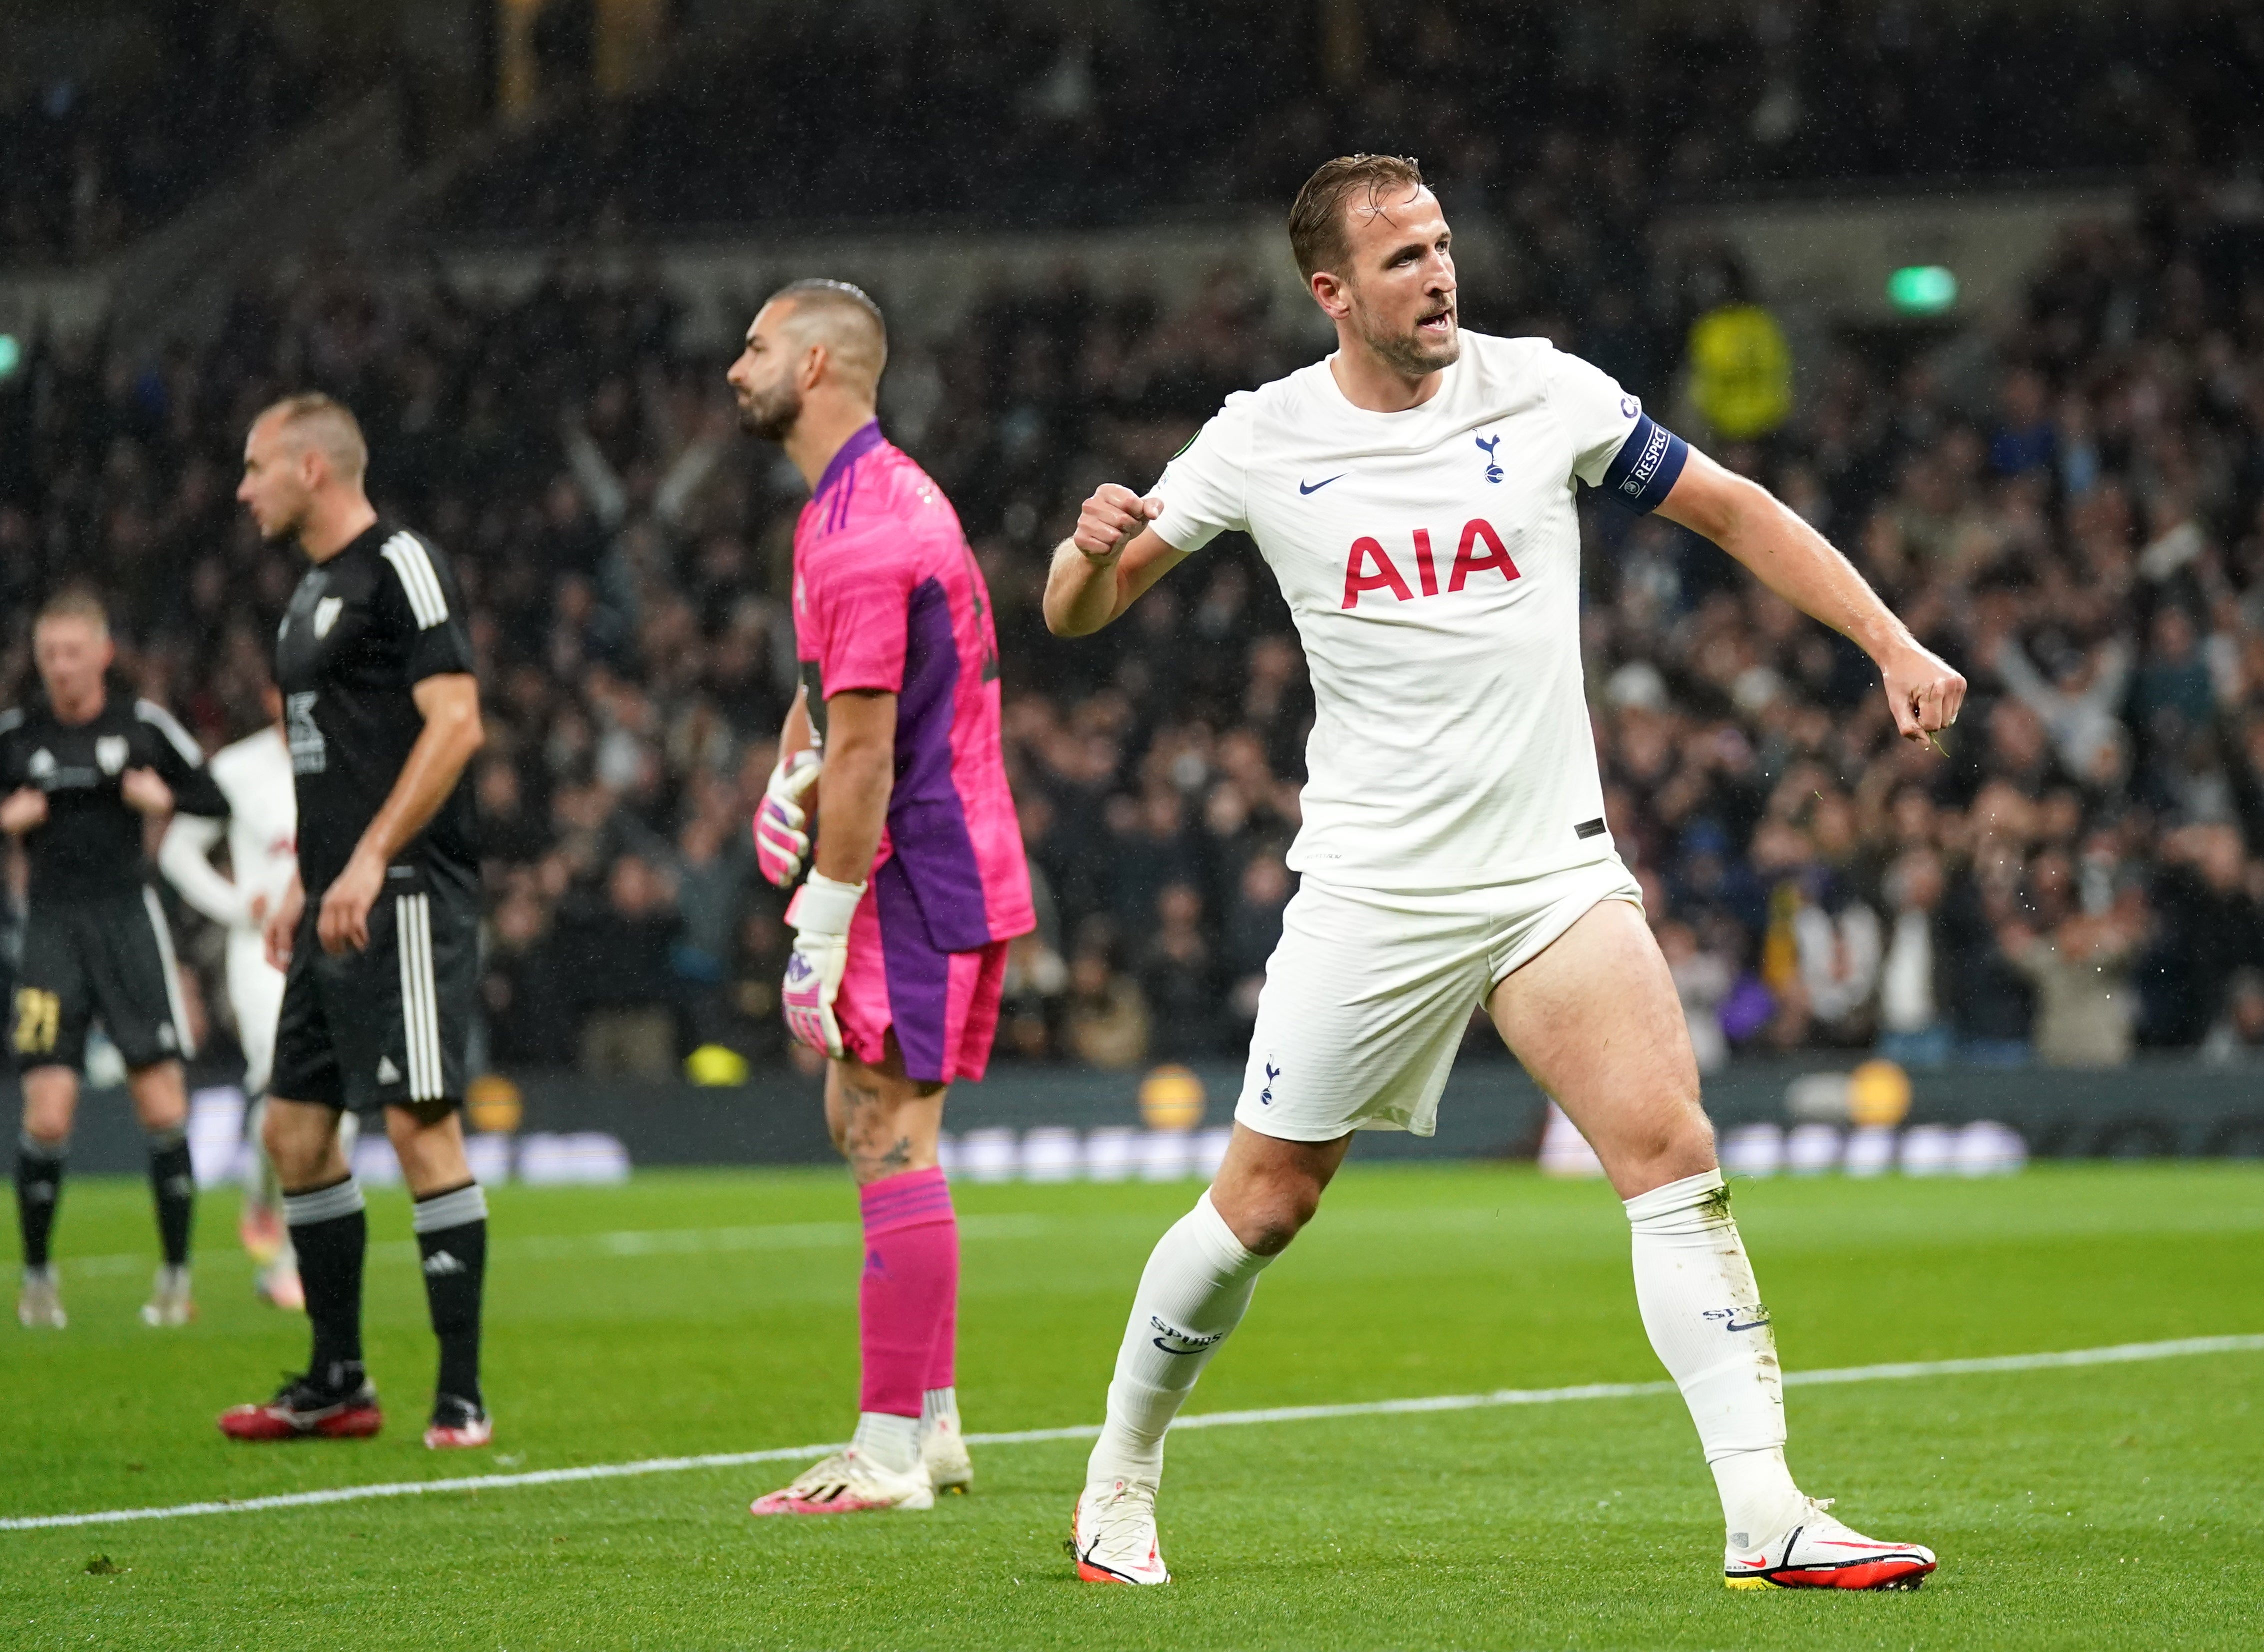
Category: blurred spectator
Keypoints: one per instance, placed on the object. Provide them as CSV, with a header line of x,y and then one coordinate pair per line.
x,y
2086,1009
1178,979
621,963
1253,928
1914,974
1840,969
1702,981
746,1016
2240,1035
527,1007
1108,1015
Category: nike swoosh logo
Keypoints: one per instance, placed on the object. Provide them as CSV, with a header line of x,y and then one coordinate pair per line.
x,y
1755,1325
1316,486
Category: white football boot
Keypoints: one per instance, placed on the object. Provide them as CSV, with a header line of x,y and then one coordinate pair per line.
x,y
1822,1552
40,1307
1113,1535
943,1448
849,1482
170,1302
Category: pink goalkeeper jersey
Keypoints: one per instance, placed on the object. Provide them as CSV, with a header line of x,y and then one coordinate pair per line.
x,y
887,596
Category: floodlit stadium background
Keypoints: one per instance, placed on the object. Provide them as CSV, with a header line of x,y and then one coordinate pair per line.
x,y
1979,290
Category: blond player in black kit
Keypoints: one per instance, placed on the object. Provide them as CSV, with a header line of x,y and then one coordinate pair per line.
x,y
84,766
379,932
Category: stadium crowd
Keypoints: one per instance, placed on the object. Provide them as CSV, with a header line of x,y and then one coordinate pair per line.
x,y
1007,115
2069,504
91,165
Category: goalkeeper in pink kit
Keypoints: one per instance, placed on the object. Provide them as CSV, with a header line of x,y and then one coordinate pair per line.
x,y
918,879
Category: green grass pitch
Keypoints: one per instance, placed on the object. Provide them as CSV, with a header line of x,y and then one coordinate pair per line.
x,y
695,1312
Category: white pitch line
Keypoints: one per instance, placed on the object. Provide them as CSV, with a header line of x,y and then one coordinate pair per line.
x,y
780,1235
2119,1353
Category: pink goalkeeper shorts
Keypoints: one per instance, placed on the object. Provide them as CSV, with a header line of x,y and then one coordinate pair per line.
x,y
942,1006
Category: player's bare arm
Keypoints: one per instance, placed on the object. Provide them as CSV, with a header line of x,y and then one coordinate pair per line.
x,y
450,704
1108,563
797,734
860,774
1793,560
25,810
281,925
145,791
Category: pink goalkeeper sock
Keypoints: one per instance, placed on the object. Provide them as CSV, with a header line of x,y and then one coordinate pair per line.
x,y
910,1290
944,1355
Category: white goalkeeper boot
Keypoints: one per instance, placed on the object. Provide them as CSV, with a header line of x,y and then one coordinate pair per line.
x,y
849,1482
943,1448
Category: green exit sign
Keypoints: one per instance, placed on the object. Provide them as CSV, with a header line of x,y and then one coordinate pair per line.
x,y
1922,289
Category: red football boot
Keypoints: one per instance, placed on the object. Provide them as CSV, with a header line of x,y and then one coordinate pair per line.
x,y
303,1408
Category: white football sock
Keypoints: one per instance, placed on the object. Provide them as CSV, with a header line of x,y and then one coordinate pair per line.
x,y
1703,1312
890,1440
1194,1291
939,1405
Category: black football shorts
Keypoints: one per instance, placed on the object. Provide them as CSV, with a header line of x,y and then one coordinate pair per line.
x,y
389,1026
110,956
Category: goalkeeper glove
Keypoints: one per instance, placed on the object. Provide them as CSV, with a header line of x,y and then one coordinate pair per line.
x,y
781,840
820,914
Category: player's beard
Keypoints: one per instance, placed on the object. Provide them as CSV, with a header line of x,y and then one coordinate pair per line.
x,y
771,414
1408,354
283,530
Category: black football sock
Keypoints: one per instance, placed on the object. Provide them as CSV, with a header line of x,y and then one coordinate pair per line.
x,y
452,1232
174,1182
38,1189
330,1233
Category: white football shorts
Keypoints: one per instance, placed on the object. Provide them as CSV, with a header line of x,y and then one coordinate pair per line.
x,y
1368,996
255,992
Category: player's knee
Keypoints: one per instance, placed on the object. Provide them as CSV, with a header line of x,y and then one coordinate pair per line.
x,y
294,1151
47,1112
1675,1142
1266,1216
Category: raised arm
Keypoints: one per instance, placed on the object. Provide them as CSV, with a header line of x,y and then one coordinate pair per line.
x,y
1106,566
1801,566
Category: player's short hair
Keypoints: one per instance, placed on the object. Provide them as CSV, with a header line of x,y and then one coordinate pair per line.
x,y
1319,235
76,602
325,423
844,318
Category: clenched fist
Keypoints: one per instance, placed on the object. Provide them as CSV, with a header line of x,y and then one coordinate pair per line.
x,y
1110,520
1924,692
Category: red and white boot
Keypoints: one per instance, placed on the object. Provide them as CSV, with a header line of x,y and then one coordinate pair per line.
x,y
1822,1552
1113,1535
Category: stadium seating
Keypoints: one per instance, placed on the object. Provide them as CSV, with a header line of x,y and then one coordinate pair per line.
x,y
2065,502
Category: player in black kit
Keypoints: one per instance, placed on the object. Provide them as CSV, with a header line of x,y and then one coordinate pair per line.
x,y
379,931
83,768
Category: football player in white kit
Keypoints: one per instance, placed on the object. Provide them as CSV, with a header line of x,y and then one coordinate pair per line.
x,y
1415,496
254,774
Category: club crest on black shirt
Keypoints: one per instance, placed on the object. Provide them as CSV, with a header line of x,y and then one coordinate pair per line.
x,y
363,629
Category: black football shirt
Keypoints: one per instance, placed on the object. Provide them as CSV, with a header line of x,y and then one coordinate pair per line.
x,y
90,846
363,629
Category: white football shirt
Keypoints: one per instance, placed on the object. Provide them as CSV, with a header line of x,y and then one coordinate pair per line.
x,y
1432,559
254,775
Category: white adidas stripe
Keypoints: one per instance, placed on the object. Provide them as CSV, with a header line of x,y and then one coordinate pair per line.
x,y
170,725
185,1042
420,1019
2119,1353
427,600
